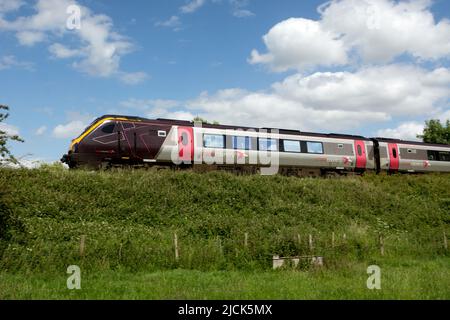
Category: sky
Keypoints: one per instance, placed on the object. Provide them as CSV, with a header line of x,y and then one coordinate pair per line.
x,y
368,67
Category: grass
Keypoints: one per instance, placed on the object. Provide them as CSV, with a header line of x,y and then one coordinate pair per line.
x,y
416,279
129,219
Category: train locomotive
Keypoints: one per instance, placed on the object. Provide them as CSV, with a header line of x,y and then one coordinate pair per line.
x,y
114,140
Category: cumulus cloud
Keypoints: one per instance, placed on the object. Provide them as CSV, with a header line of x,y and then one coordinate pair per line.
x,y
10,5
192,6
396,90
69,130
373,31
381,30
8,62
99,48
300,43
133,77
148,104
405,131
9,129
322,101
241,107
238,8
40,131
173,22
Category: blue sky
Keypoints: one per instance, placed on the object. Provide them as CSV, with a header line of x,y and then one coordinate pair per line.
x,y
374,67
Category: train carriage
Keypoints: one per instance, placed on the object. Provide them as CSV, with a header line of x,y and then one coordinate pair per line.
x,y
123,140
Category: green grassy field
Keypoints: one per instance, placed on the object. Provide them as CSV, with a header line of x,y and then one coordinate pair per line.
x,y
128,220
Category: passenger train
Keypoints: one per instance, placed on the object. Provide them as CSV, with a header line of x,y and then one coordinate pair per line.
x,y
113,140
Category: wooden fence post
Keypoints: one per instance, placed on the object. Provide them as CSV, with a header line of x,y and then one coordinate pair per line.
x,y
246,239
332,239
445,241
299,239
381,245
175,242
219,243
82,245
311,243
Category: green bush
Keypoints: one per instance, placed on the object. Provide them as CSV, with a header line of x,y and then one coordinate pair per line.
x,y
129,218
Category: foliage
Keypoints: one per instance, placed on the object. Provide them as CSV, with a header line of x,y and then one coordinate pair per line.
x,y
5,154
436,132
129,218
199,119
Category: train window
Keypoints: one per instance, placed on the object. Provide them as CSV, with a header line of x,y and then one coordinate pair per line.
x,y
291,146
314,147
127,125
444,156
184,139
213,141
242,143
161,133
267,144
359,150
108,128
412,151
433,155
394,153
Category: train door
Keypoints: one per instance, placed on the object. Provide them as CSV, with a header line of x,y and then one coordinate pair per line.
x,y
186,144
361,156
393,156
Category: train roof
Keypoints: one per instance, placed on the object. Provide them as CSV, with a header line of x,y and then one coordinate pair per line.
x,y
419,143
281,131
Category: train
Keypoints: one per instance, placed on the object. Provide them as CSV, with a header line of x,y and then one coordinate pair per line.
x,y
126,141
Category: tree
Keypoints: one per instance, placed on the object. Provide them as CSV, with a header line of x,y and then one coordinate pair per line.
x,y
5,154
198,119
436,132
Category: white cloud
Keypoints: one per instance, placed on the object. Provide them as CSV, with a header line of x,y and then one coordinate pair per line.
x,y
69,130
8,62
99,49
236,106
23,163
374,31
405,131
445,116
381,30
9,129
58,50
299,43
30,38
10,5
325,101
143,104
133,78
392,89
238,8
173,22
192,6
41,130
176,115
242,13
